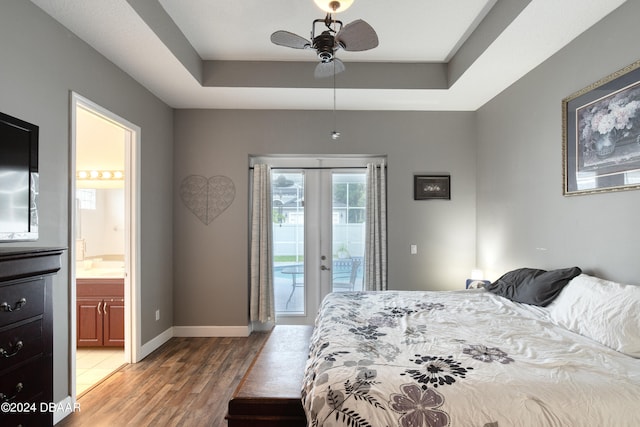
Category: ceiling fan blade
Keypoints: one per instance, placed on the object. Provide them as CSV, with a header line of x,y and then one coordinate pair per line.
x,y
357,36
327,69
288,39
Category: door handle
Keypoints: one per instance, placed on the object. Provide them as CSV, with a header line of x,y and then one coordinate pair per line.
x,y
324,267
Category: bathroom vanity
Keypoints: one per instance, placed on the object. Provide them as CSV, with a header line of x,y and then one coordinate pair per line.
x,y
100,305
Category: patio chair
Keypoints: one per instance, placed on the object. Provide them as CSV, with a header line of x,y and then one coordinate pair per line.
x,y
345,272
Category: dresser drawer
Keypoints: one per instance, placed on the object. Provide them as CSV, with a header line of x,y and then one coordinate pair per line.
x,y
23,384
20,343
27,419
30,393
21,300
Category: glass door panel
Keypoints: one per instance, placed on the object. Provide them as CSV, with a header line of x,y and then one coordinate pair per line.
x,y
288,241
348,230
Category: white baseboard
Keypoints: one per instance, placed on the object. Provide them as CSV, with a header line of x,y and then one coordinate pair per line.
x,y
152,345
63,408
211,331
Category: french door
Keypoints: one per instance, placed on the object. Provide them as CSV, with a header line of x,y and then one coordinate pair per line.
x,y
318,237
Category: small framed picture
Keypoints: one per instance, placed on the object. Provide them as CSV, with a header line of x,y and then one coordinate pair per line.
x,y
427,187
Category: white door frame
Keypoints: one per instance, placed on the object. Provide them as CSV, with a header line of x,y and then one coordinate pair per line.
x,y
318,240
132,324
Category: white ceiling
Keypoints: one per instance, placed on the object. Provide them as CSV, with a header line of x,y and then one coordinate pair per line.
x,y
245,26
433,54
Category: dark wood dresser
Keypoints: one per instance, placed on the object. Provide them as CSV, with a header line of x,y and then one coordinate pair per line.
x,y
26,335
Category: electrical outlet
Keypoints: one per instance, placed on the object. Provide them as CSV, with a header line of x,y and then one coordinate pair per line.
x,y
157,315
414,249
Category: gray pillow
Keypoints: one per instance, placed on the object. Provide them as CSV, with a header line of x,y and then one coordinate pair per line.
x,y
533,286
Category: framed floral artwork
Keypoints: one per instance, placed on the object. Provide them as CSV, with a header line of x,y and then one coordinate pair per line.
x,y
601,135
427,187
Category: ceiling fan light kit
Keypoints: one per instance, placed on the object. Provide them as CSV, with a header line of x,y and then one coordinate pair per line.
x,y
333,6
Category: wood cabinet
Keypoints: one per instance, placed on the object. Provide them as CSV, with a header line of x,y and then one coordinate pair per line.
x,y
100,312
26,334
265,397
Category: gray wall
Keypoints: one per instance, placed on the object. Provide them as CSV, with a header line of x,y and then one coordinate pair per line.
x,y
523,218
40,64
211,261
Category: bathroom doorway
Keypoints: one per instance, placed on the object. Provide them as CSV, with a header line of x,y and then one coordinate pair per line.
x,y
103,244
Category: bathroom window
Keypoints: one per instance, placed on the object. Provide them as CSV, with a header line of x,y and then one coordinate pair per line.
x,y
86,198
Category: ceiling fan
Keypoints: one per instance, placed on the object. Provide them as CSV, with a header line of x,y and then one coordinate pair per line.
x,y
352,37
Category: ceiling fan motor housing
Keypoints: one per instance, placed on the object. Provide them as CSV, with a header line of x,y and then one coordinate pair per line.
x,y
324,44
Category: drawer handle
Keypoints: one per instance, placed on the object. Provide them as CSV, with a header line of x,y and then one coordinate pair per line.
x,y
17,348
5,398
7,308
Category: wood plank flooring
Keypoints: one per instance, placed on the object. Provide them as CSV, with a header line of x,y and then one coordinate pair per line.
x,y
186,382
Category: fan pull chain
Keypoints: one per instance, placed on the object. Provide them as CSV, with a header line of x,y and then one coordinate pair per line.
x,y
335,134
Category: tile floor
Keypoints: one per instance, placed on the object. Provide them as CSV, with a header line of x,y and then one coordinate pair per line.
x,y
94,365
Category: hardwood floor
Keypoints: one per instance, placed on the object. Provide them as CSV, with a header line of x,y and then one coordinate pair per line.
x,y
186,382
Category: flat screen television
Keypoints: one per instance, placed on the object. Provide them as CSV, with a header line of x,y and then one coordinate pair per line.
x,y
18,179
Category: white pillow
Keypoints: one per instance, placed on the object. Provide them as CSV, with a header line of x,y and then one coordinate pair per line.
x,y
607,312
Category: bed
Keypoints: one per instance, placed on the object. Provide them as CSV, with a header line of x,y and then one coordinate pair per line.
x,y
477,358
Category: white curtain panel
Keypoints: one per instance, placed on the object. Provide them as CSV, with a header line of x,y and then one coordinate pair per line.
x,y
376,234
262,307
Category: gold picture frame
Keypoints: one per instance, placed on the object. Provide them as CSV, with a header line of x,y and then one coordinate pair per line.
x,y
601,135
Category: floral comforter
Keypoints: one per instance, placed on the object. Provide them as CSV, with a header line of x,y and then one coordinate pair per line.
x,y
459,358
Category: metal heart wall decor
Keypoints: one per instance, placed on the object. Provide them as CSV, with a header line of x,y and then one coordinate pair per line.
x,y
205,197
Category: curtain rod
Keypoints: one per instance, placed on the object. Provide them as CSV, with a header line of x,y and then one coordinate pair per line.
x,y
320,167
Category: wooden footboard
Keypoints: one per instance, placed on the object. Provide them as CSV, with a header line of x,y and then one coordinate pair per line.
x,y
269,393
